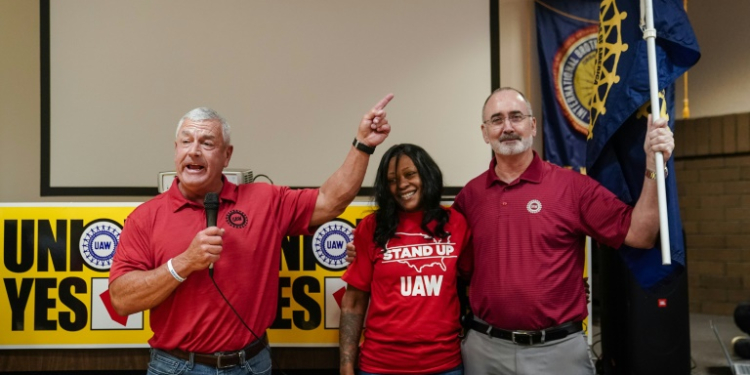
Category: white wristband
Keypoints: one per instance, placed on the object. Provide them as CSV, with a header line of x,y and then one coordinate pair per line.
x,y
173,272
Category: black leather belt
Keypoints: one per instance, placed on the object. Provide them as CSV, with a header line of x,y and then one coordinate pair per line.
x,y
223,359
528,337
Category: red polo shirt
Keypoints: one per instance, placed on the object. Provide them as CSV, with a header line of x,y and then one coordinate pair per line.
x,y
194,317
528,240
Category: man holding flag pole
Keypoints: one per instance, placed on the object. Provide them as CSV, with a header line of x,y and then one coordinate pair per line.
x,y
529,220
645,327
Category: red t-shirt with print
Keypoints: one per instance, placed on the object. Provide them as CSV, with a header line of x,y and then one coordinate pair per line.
x,y
412,324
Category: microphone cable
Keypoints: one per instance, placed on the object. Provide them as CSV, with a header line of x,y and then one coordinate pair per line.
x,y
266,346
211,205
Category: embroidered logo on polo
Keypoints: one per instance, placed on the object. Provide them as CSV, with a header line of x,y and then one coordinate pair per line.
x,y
99,242
236,218
420,255
329,245
534,206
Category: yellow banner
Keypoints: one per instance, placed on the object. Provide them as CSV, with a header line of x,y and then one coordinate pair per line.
x,y
310,285
55,270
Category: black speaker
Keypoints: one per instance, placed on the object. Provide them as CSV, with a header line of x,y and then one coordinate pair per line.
x,y
742,316
643,331
741,346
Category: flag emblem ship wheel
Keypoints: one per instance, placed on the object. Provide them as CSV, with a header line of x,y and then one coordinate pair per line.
x,y
574,67
608,50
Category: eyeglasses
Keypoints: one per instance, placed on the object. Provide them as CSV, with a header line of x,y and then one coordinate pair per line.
x,y
499,120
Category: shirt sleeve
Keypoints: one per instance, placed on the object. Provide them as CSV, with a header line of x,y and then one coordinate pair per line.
x,y
359,273
295,210
133,249
604,217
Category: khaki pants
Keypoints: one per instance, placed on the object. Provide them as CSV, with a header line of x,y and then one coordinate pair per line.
x,y
485,355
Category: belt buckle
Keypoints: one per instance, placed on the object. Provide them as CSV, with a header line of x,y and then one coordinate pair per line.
x,y
529,334
219,365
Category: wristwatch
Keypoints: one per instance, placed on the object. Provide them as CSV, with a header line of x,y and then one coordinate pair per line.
x,y
363,147
652,174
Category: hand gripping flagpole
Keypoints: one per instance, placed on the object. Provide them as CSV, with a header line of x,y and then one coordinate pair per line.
x,y
653,79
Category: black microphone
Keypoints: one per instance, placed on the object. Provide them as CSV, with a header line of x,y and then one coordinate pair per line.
x,y
211,204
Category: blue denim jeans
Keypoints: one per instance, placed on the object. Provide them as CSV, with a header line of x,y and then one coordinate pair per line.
x,y
162,363
454,371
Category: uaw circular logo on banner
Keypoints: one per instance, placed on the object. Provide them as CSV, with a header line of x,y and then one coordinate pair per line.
x,y
329,243
98,243
574,69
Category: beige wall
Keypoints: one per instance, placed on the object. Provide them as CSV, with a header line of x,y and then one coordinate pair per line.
x,y
19,101
718,84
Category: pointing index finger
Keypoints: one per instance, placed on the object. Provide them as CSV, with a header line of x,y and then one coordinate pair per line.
x,y
382,103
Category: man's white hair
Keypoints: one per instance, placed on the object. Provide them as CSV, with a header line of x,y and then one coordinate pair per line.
x,y
204,114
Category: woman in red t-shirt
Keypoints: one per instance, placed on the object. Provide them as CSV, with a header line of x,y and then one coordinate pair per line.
x,y
405,270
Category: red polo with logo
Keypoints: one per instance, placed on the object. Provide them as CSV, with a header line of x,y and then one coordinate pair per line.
x,y
195,318
528,240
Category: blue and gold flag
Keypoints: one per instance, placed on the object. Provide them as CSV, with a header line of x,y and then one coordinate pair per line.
x,y
619,110
566,41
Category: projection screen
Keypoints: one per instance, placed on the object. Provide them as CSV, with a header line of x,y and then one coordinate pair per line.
x,y
293,78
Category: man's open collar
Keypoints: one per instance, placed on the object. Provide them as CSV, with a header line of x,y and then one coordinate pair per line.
x,y
177,201
533,172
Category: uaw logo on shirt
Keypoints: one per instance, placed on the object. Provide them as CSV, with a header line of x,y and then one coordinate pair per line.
x,y
534,206
98,243
420,255
574,68
237,219
329,245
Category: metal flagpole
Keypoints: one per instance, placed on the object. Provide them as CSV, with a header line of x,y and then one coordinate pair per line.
x,y
649,34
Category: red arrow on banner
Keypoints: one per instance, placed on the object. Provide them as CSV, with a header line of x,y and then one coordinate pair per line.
x,y
339,295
